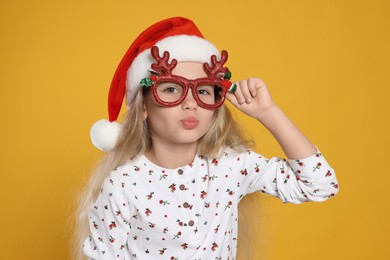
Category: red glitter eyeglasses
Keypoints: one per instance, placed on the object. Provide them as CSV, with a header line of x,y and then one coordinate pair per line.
x,y
171,90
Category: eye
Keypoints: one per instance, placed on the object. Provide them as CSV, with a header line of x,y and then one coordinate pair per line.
x,y
205,90
169,88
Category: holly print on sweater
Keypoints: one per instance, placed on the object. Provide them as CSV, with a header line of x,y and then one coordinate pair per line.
x,y
148,212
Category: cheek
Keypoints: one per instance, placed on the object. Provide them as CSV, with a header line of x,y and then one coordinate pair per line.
x,y
150,105
156,123
209,117
158,117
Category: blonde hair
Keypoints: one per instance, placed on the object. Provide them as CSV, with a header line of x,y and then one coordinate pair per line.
x,y
135,139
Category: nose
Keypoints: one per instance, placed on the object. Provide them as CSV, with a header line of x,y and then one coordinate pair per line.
x,y
189,103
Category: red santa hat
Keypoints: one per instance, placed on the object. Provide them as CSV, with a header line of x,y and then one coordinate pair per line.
x,y
180,37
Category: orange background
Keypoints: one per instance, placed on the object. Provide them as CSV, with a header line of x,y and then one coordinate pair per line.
x,y
326,64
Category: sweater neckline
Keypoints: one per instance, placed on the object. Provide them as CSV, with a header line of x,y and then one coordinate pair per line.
x,y
160,168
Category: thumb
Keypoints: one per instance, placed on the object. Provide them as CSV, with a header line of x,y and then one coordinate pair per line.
x,y
232,98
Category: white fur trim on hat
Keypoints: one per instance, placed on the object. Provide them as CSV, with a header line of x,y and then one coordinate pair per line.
x,y
105,134
180,47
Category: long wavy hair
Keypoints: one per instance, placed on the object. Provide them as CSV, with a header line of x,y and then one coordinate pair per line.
x,y
135,139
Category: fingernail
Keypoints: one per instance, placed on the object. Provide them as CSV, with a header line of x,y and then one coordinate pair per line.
x,y
248,100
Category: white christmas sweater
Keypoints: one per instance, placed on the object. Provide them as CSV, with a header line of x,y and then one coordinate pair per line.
x,y
148,212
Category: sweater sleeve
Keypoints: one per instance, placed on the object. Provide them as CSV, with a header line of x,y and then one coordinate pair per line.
x,y
294,181
109,223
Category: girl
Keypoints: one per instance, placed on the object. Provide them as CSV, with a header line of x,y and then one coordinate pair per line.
x,y
170,186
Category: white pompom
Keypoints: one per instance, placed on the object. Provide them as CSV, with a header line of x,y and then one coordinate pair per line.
x,y
105,134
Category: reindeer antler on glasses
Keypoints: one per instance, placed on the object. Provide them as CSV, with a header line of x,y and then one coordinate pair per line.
x,y
217,70
216,67
162,67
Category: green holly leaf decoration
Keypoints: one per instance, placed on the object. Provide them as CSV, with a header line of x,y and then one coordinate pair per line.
x,y
227,75
146,82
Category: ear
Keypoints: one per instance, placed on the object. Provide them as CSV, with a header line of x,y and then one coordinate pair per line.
x,y
144,112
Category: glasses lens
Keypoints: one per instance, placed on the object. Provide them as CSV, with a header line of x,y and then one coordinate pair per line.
x,y
209,95
169,91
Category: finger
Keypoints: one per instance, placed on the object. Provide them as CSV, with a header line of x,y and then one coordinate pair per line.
x,y
238,93
232,98
246,92
259,83
252,85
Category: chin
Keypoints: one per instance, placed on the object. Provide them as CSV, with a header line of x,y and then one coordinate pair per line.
x,y
188,137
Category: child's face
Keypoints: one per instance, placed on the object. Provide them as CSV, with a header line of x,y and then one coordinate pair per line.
x,y
184,123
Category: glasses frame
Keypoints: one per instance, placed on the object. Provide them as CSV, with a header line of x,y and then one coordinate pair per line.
x,y
217,75
194,84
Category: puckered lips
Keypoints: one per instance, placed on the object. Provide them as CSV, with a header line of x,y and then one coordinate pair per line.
x,y
189,122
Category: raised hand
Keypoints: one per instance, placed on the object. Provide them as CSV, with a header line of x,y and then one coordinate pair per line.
x,y
251,97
